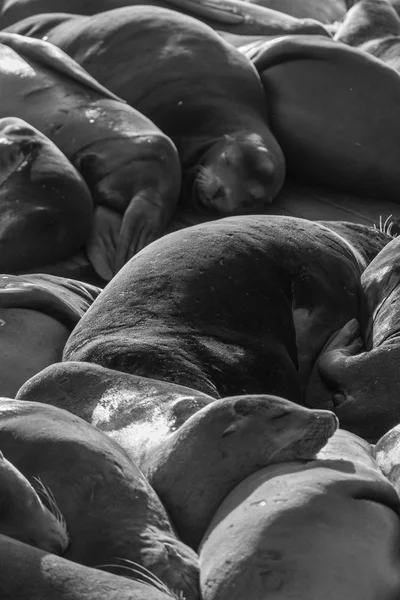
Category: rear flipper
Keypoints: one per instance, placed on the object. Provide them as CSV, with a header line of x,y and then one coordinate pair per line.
x,y
102,243
143,222
323,388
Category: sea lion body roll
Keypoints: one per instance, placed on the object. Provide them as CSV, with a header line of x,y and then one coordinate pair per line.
x,y
131,168
45,206
84,469
232,164
326,528
308,80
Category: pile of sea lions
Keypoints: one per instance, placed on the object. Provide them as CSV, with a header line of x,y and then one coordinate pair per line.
x,y
199,321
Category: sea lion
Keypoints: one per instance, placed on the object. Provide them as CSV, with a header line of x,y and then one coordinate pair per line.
x,y
231,16
45,206
194,459
31,574
374,27
362,386
352,150
24,516
366,21
217,118
130,166
109,507
327,528
208,307
37,314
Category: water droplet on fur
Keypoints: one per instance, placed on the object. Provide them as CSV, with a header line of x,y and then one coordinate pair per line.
x,y
2,323
180,102
45,38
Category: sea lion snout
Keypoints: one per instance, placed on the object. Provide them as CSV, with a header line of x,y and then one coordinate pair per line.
x,y
325,421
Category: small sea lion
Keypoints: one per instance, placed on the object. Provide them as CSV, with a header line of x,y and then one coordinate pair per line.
x,y
230,307
45,206
217,118
130,166
31,574
110,510
357,372
24,517
326,528
352,149
37,314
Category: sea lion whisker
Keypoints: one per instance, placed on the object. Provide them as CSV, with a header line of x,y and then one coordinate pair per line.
x,y
385,225
48,495
144,578
146,572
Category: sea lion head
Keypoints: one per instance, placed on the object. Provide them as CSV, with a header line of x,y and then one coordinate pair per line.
x,y
23,515
237,175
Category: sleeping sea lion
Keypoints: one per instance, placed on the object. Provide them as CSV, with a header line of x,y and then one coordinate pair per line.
x,y
357,374
326,528
208,307
110,510
131,168
45,206
217,118
352,149
37,314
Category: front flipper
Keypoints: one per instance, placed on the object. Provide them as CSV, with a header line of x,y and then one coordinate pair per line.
x,y
143,222
327,380
102,243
